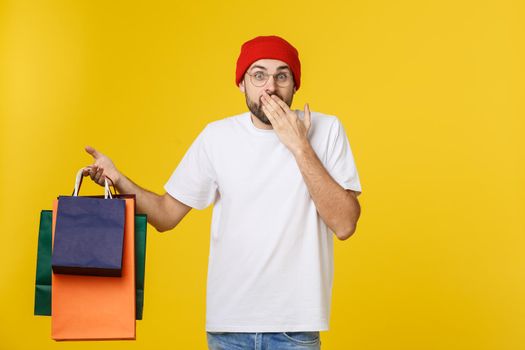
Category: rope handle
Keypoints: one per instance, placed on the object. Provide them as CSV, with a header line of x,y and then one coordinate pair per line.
x,y
78,183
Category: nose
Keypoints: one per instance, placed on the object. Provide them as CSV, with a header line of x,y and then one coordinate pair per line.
x,y
270,85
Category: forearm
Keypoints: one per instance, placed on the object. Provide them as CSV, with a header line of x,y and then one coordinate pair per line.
x,y
147,202
338,207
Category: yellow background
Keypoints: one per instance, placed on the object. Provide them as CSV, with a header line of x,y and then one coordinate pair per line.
x,y
431,94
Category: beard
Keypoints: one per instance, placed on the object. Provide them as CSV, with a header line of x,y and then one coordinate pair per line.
x,y
256,108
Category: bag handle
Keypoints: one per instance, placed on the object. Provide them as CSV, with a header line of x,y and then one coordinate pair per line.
x,y
78,183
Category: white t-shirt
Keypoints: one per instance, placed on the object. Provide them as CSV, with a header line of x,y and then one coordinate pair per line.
x,y
270,266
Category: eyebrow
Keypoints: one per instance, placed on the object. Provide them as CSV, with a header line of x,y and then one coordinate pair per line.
x,y
278,68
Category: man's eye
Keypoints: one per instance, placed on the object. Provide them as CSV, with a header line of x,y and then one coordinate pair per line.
x,y
259,75
282,76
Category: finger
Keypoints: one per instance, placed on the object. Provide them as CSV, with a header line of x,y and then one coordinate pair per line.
x,y
283,111
96,154
93,172
270,116
307,117
273,106
86,171
100,172
266,104
95,177
281,103
101,181
98,175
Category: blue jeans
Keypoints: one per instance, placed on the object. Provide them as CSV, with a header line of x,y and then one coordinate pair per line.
x,y
264,341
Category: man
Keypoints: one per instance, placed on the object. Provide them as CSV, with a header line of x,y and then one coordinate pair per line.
x,y
282,183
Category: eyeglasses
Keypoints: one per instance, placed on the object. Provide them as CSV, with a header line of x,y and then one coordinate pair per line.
x,y
259,78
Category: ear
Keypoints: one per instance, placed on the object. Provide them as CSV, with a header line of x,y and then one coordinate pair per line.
x,y
241,87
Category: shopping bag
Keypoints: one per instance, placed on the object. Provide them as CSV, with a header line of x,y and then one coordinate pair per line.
x,y
93,307
43,289
89,234
141,223
43,265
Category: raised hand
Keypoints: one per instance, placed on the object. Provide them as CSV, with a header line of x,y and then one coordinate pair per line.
x,y
102,167
291,130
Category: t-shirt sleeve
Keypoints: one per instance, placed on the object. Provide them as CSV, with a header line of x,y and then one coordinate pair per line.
x,y
193,182
340,160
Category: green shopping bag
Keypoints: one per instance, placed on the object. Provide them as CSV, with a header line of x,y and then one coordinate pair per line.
x,y
141,223
43,265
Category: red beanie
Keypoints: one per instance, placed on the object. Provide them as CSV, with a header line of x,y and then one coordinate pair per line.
x,y
272,47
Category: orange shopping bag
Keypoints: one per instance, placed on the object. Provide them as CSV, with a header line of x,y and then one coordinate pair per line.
x,y
93,307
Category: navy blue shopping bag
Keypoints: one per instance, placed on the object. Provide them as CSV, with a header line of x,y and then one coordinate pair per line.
x,y
89,235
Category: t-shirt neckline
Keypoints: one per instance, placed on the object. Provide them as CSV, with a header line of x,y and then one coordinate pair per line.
x,y
252,126
256,129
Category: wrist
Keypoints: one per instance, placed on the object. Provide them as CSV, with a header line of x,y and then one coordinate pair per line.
x,y
117,180
302,148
